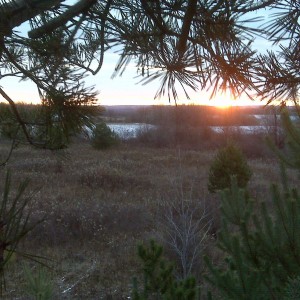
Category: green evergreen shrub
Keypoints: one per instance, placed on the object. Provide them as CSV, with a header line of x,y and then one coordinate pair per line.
x,y
159,279
261,246
8,124
9,130
103,137
229,161
292,289
38,284
290,155
14,223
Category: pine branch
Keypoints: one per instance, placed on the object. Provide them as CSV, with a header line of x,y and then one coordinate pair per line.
x,y
80,7
15,12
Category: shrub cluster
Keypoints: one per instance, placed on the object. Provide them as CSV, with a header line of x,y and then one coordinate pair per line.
x,y
201,138
103,137
228,162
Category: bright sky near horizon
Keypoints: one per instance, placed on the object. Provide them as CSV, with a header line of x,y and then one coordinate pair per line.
x,y
123,90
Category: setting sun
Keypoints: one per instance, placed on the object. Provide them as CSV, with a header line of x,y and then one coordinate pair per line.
x,y
224,102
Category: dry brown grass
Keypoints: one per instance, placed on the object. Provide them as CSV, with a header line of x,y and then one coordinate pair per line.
x,y
99,205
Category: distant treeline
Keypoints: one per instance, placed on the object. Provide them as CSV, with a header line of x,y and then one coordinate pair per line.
x,y
31,113
189,115
27,112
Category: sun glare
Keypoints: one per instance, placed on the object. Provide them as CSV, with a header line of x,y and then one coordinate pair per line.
x,y
224,100
222,103
227,100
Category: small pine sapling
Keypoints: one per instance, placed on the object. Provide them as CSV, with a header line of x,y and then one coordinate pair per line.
x,y
14,224
229,161
261,249
159,279
38,284
103,137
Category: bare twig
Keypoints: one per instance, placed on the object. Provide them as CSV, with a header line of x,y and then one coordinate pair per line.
x,y
12,147
17,115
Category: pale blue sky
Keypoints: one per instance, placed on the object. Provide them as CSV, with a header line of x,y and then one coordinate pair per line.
x,y
120,90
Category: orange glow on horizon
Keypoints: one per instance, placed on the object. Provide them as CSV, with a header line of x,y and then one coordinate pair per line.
x,y
226,100
221,100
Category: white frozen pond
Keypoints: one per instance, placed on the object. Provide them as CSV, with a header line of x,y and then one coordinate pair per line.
x,y
272,116
129,130
243,129
123,130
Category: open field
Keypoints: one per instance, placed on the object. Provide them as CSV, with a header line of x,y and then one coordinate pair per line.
x,y
99,205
